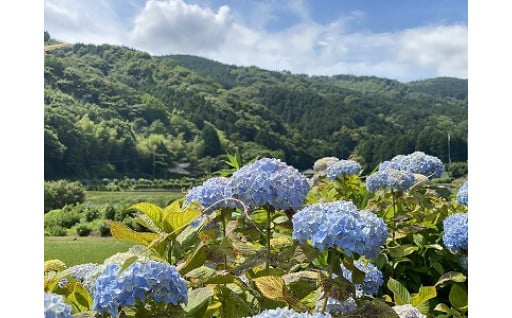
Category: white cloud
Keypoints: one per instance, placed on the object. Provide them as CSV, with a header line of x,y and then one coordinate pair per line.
x,y
174,26
76,21
440,48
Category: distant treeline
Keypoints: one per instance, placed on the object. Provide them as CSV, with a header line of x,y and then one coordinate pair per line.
x,y
111,111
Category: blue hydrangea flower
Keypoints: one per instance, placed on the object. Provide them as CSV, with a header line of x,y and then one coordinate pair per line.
x,y
210,192
269,182
288,313
341,224
55,306
418,162
462,194
337,307
390,178
156,280
455,232
342,167
373,278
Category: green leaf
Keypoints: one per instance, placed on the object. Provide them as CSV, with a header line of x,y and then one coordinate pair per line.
x,y
177,220
425,293
451,276
375,308
402,250
127,264
281,219
421,299
271,287
122,232
458,297
400,293
443,308
198,300
194,260
154,212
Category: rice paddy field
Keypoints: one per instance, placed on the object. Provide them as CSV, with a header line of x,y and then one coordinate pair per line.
x,y
82,250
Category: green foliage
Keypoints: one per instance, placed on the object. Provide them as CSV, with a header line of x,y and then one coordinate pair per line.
x,y
59,193
113,112
458,169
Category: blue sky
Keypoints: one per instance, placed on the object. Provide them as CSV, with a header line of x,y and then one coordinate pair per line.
x,y
398,39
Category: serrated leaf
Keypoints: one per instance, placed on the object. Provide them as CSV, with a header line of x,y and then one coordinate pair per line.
x,y
177,220
271,287
221,279
154,212
81,298
131,260
425,293
122,232
173,207
146,221
400,294
402,251
357,274
443,308
421,299
451,276
458,297
194,260
198,300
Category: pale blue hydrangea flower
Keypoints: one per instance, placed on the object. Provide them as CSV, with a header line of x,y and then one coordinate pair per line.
x,y
269,182
341,224
373,278
83,273
337,307
408,311
390,178
455,232
156,280
462,194
419,162
342,167
288,313
210,192
55,306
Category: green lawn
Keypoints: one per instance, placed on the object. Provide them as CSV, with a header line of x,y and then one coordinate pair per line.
x,y
82,250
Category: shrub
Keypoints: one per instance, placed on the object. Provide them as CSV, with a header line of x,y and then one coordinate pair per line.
x,y
104,229
65,218
83,229
59,193
458,169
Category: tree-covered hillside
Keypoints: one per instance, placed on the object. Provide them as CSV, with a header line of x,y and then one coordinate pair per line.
x,y
111,111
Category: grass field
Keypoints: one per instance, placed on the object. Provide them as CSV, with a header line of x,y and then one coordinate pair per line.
x,y
82,250
160,198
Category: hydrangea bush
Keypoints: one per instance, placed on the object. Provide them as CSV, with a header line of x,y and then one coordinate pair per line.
x,y
392,243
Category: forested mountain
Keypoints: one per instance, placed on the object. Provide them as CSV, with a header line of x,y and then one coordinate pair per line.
x,y
111,111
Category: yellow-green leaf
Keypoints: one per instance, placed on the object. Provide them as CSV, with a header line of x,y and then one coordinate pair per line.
x,y
271,287
154,212
177,220
124,233
400,294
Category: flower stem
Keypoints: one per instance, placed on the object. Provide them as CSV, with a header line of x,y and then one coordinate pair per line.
x,y
269,234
